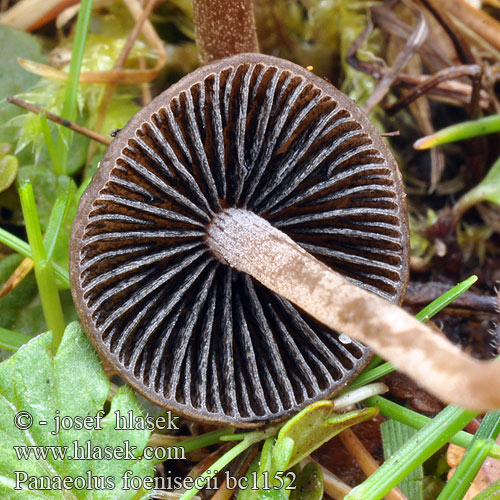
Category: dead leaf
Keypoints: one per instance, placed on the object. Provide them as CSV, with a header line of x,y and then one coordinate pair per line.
x,y
487,475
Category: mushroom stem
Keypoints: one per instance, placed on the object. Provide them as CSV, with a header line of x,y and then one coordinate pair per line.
x,y
247,242
224,28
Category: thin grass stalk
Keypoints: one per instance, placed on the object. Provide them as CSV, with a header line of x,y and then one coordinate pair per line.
x,y
418,421
418,449
44,273
71,96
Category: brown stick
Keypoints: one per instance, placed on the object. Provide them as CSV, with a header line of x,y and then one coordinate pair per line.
x,y
122,58
250,244
29,15
420,294
61,121
432,81
224,28
414,43
120,63
476,19
125,76
17,276
366,462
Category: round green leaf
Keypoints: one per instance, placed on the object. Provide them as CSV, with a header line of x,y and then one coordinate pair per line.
x,y
8,171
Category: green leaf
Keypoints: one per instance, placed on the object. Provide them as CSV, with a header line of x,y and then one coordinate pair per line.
x,y
271,494
8,168
20,309
487,190
282,453
312,427
266,455
309,484
394,436
71,384
13,78
12,341
262,474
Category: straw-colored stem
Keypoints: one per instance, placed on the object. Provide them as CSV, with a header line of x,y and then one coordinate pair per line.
x,y
250,244
365,461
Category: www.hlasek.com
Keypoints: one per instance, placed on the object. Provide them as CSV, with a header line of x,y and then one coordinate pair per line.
x,y
87,451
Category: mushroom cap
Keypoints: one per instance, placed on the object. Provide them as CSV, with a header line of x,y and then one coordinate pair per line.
x,y
185,330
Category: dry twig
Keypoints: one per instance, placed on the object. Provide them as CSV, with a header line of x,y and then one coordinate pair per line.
x,y
367,463
17,276
414,43
61,121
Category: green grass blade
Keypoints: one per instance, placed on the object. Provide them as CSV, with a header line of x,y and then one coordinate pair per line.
x,y
490,426
57,216
204,440
44,273
417,421
12,341
376,361
71,95
469,466
24,249
370,376
487,190
394,436
447,298
229,456
460,131
418,449
49,142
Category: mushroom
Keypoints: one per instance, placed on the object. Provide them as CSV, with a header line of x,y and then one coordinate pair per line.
x,y
247,136
241,211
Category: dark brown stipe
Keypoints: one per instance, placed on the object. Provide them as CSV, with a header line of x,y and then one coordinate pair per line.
x,y
224,28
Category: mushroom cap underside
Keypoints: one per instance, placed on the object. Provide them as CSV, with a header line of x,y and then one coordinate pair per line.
x,y
182,328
